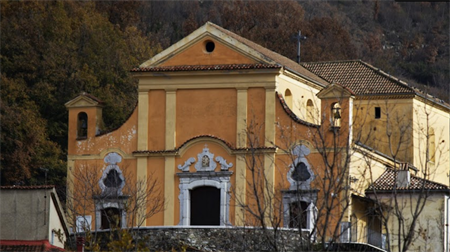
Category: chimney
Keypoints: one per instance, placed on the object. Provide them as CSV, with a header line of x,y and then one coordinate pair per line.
x,y
403,176
80,244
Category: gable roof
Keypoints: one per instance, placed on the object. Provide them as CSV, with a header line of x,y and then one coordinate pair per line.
x,y
84,100
388,180
273,56
252,50
335,91
204,67
360,77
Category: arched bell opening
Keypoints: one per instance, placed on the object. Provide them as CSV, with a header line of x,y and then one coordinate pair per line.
x,y
82,125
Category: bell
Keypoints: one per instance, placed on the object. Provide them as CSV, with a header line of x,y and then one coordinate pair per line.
x,y
83,124
337,115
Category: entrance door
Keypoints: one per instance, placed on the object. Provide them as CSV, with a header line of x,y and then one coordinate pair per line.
x,y
205,206
374,230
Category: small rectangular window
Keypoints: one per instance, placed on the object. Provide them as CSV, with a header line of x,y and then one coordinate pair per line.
x,y
377,112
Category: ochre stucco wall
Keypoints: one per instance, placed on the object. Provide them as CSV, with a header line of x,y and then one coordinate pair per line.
x,y
206,112
301,93
124,137
156,119
383,134
196,54
426,117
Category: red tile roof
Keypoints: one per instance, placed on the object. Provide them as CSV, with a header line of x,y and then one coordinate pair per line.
x,y
387,182
28,246
92,97
201,136
360,77
205,67
27,187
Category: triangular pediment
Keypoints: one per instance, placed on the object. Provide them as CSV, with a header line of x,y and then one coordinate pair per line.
x,y
83,100
335,91
208,45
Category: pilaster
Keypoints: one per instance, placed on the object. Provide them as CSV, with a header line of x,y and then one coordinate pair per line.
x,y
270,117
240,191
241,125
169,187
141,175
171,106
269,191
143,121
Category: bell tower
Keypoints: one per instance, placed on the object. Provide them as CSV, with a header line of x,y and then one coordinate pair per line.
x,y
85,118
337,104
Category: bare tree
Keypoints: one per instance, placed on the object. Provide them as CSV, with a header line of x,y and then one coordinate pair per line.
x,y
402,194
312,196
118,204
346,156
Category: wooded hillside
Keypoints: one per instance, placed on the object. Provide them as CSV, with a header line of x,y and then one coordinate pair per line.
x,y
53,50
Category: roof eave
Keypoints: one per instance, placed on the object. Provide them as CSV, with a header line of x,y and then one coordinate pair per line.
x,y
385,191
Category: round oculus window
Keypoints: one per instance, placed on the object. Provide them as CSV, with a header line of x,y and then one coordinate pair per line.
x,y
209,46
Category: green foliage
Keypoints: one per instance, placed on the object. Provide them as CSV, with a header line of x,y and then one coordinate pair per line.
x,y
52,51
24,141
122,240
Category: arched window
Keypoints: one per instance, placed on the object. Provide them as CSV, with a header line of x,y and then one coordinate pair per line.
x,y
288,98
110,205
82,125
431,145
336,115
309,111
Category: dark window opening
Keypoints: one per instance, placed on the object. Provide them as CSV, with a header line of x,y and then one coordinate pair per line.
x,y
210,46
205,206
112,179
111,218
82,125
298,214
377,112
301,172
374,231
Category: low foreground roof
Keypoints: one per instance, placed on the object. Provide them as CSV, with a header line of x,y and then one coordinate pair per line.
x,y
34,246
388,182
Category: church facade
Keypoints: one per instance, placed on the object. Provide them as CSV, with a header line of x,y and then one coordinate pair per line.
x,y
232,134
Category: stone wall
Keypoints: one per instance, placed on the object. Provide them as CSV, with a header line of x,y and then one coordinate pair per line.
x,y
212,239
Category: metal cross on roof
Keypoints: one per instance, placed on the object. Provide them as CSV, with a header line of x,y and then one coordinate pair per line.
x,y
299,37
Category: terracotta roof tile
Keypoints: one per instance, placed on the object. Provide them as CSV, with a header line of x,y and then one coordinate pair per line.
x,y
27,187
360,77
387,182
196,137
205,67
28,246
92,97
